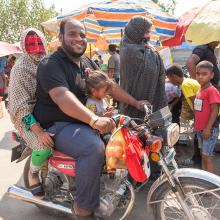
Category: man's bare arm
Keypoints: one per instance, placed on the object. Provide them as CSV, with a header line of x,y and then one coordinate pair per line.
x,y
70,104
121,95
213,115
191,63
192,99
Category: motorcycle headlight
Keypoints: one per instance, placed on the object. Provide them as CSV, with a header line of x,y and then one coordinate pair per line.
x,y
173,134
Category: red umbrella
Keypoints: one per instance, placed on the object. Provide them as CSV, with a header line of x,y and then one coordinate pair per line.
x,y
182,26
7,49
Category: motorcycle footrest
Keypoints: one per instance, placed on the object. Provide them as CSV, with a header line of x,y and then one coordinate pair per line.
x,y
37,190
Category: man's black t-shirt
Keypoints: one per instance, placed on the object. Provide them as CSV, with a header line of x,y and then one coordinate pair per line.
x,y
58,71
204,52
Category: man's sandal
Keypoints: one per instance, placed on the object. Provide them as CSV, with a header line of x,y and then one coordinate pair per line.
x,y
91,217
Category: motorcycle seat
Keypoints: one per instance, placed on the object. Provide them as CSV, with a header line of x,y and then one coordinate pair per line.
x,y
60,155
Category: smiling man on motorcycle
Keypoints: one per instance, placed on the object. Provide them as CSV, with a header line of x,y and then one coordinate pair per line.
x,y
60,110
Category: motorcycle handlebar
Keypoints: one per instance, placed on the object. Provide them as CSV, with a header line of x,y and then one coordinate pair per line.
x,y
148,110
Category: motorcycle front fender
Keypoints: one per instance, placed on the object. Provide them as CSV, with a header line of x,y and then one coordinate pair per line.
x,y
184,172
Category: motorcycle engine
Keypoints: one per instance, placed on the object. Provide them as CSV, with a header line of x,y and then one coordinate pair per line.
x,y
112,190
56,185
52,184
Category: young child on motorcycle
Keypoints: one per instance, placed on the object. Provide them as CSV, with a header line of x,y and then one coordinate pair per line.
x,y
206,110
97,87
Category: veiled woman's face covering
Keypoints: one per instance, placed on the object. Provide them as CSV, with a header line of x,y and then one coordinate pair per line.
x,y
137,28
146,36
34,45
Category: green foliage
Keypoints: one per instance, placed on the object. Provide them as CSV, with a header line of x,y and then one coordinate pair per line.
x,y
18,15
169,6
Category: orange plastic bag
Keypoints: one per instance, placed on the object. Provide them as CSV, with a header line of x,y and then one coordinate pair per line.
x,y
115,152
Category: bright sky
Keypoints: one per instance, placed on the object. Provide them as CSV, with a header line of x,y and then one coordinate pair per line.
x,y
69,5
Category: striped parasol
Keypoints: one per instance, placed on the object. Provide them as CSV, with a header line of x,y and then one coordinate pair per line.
x,y
108,19
119,12
111,34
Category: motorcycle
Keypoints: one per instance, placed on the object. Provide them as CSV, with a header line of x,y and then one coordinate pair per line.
x,y
181,194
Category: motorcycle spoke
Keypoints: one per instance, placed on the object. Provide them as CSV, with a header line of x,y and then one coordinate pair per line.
x,y
201,196
170,218
191,197
196,196
200,199
173,210
214,208
178,214
174,200
173,205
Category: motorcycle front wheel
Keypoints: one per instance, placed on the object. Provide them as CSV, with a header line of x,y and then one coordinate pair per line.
x,y
201,198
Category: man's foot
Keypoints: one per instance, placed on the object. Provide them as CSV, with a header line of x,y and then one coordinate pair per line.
x,y
91,217
83,214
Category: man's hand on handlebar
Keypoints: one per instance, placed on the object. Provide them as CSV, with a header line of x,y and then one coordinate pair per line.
x,y
141,103
104,125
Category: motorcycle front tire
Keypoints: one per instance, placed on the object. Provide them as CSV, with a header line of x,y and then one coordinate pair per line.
x,y
160,193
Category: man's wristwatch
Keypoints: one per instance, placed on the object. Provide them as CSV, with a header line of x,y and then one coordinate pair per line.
x,y
93,120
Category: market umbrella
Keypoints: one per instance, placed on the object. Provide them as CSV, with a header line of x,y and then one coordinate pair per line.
x,y
8,49
118,13
205,27
95,32
198,26
110,18
181,28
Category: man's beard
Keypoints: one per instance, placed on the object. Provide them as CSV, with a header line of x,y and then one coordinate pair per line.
x,y
71,52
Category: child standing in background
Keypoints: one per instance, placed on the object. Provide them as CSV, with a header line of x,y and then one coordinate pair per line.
x,y
206,109
173,94
189,87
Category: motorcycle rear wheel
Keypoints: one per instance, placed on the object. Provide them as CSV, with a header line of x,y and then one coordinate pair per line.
x,y
43,209
204,205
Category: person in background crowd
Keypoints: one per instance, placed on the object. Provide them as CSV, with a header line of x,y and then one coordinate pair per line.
x,y
97,62
206,108
188,86
100,60
3,62
22,99
10,63
7,70
173,94
113,63
204,52
142,72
